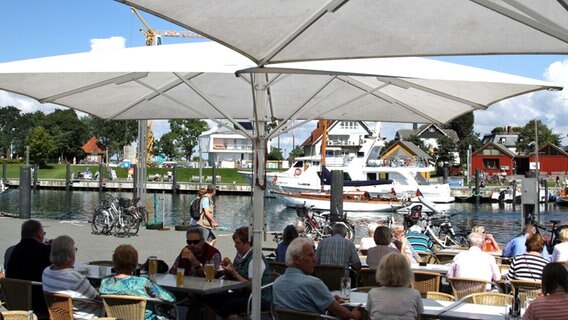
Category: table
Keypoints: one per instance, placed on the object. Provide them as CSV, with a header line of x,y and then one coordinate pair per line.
x,y
456,251
442,269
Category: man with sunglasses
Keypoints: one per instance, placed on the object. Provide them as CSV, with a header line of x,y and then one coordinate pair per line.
x,y
195,254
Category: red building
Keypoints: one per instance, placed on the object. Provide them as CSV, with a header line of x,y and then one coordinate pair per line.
x,y
493,158
553,160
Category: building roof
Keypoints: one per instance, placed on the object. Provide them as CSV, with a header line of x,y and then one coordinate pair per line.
x,y
405,134
508,140
317,133
497,146
93,146
552,150
410,147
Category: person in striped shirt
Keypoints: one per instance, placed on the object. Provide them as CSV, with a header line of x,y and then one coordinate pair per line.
x,y
553,303
529,265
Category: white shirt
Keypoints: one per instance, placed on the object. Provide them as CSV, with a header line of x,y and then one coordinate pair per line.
x,y
475,264
367,243
560,252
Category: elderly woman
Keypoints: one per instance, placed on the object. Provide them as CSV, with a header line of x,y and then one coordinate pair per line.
x,y
405,247
61,277
125,261
369,241
490,244
383,238
288,234
560,252
553,304
394,299
529,265
230,304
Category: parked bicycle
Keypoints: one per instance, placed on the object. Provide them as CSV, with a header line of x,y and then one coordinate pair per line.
x,y
318,223
119,216
553,237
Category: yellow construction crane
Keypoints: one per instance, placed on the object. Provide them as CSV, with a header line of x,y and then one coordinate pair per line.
x,y
154,37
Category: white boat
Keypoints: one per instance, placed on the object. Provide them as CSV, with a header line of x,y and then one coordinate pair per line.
x,y
359,171
352,201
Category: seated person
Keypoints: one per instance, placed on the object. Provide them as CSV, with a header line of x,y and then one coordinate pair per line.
x,y
61,277
529,265
553,303
368,242
338,251
383,238
196,254
490,244
406,249
419,241
517,246
560,252
288,234
474,263
230,304
125,261
296,289
395,299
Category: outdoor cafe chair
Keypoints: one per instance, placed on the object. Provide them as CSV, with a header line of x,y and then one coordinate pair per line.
x,y
462,287
275,266
444,257
428,257
489,298
527,289
125,307
60,306
330,275
439,296
426,281
367,278
17,293
17,315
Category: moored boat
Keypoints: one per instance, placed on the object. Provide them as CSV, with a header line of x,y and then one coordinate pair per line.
x,y
352,201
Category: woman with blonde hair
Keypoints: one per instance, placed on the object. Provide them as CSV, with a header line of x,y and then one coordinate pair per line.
x,y
560,252
490,244
395,299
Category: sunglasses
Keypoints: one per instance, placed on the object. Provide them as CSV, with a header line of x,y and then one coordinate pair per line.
x,y
194,242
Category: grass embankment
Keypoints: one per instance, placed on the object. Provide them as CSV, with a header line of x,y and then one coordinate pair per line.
x,y
59,171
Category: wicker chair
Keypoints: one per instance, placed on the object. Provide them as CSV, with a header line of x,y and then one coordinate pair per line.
x,y
527,289
444,257
330,275
125,307
426,281
17,293
16,315
428,257
287,314
489,298
367,278
462,287
440,296
60,306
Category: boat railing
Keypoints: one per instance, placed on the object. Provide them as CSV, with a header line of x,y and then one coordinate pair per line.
x,y
395,161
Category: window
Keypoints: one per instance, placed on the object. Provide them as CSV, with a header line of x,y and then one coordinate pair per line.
x,y
491,163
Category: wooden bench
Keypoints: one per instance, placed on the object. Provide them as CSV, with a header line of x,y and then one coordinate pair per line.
x,y
194,179
210,179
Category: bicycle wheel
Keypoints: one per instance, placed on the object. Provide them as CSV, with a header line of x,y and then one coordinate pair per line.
x,y
99,223
311,232
122,226
134,224
143,215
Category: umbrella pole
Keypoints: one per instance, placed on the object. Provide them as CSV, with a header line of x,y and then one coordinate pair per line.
x,y
259,85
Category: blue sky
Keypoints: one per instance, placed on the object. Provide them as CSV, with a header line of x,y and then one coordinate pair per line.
x,y
39,28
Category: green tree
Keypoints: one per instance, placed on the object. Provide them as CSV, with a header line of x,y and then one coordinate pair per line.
x,y
186,133
446,148
42,146
464,144
275,154
9,117
113,134
69,133
418,142
527,137
167,147
298,151
462,125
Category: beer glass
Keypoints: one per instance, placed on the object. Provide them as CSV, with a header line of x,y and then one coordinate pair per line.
x,y
209,270
152,266
180,277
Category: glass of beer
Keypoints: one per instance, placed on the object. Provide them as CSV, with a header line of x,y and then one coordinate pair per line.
x,y
152,266
209,270
180,277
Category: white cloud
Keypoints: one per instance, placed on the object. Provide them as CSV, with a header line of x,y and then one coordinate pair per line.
x,y
112,43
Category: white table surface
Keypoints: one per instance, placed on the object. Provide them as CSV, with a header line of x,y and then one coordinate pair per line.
x,y
437,268
474,311
456,251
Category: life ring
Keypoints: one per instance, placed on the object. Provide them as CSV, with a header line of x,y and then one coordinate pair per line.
x,y
298,172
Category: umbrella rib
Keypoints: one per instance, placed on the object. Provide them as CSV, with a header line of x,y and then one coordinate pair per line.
x,y
531,18
116,80
209,102
329,7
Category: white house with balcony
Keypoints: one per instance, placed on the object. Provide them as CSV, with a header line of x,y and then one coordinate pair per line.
x,y
343,138
226,148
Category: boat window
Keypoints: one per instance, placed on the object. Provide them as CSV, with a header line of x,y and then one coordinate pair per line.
x,y
397,178
374,152
371,176
421,180
346,176
298,164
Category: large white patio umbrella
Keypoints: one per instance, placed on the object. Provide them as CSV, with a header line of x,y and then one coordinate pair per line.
x,y
269,31
207,80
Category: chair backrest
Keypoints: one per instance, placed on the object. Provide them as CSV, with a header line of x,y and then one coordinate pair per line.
x,y
125,307
60,306
440,296
17,315
527,289
287,314
367,278
275,266
489,298
462,287
17,293
426,281
445,257
428,257
330,275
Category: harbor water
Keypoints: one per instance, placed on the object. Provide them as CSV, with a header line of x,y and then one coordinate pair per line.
x,y
233,211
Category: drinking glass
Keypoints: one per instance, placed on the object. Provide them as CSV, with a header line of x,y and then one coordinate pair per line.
x,y
346,287
180,276
508,308
152,266
209,270
102,271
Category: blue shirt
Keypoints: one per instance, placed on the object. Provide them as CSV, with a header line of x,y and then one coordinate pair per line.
x,y
517,246
297,291
419,242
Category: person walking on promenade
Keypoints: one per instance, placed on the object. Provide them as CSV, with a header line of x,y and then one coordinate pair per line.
x,y
207,220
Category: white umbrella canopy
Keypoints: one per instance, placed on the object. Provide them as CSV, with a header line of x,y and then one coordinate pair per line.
x,y
272,31
207,80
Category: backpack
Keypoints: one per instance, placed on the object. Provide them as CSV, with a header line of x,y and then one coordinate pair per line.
x,y
195,208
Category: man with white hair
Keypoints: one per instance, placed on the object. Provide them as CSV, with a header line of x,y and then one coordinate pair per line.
x,y
419,241
297,290
475,263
